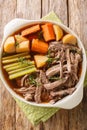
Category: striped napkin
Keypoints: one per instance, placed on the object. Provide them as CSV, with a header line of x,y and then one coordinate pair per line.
x,y
37,114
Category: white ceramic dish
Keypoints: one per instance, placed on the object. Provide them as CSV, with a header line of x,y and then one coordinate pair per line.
x,y
68,102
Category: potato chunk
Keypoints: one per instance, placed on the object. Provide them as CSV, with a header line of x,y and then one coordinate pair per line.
x,y
58,32
69,39
20,38
23,46
9,45
40,60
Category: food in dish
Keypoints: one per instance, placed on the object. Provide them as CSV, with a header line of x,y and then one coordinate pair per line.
x,y
42,62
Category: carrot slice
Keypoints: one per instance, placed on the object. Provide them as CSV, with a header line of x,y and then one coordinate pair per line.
x,y
48,32
30,30
39,46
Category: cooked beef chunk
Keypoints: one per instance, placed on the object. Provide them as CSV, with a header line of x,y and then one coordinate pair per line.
x,y
23,80
56,84
78,59
37,95
43,77
38,91
56,69
62,93
53,70
68,60
56,46
61,70
25,90
72,79
72,58
55,99
29,97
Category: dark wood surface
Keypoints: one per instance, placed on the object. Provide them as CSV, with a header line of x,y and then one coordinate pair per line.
x,y
73,13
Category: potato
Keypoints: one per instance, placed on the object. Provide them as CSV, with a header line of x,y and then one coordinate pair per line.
x,y
58,32
23,46
69,39
9,45
20,38
40,60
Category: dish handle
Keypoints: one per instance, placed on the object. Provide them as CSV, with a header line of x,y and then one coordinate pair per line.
x,y
13,26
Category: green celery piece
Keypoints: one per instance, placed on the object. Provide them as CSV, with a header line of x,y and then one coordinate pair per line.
x,y
14,59
15,56
21,73
19,66
11,65
17,70
14,64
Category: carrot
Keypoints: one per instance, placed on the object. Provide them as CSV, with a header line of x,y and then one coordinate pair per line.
x,y
48,32
39,46
30,30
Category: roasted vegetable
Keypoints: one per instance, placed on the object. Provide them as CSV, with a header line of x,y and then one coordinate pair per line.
x,y
23,46
69,39
18,66
58,32
20,69
39,46
20,39
20,63
9,45
21,73
48,32
31,30
14,56
14,59
40,60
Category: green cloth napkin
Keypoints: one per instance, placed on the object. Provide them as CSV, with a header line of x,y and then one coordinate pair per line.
x,y
37,114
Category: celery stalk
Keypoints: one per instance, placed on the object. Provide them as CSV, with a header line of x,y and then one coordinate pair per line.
x,y
14,59
15,56
17,70
17,63
19,66
21,73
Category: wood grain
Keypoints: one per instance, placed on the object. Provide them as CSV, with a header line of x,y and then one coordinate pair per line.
x,y
78,23
29,9
7,104
59,6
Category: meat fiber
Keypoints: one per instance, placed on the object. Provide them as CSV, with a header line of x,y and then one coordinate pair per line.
x,y
56,84
57,78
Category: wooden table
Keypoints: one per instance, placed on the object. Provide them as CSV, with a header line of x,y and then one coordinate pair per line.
x,y
74,14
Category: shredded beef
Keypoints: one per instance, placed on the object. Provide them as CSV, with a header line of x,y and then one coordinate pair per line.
x,y
56,79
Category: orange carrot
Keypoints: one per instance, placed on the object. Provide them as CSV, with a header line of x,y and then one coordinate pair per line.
x,y
30,30
48,32
39,46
